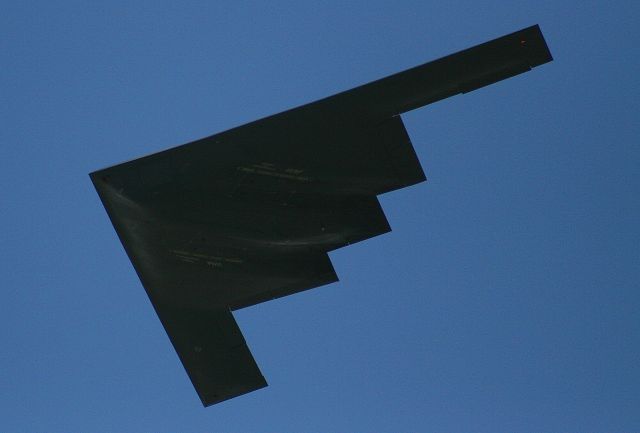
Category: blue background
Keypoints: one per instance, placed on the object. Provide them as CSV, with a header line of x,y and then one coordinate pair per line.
x,y
505,300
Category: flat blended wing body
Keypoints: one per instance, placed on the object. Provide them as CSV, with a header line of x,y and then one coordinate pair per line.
x,y
249,214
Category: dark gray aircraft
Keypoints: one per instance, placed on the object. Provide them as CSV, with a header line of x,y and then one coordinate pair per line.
x,y
249,214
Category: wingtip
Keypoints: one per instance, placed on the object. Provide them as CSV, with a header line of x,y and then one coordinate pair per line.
x,y
540,52
210,400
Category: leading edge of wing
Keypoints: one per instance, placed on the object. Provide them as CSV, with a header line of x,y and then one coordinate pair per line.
x,y
460,72
205,336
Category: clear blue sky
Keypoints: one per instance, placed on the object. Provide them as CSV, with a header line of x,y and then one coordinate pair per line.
x,y
506,299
